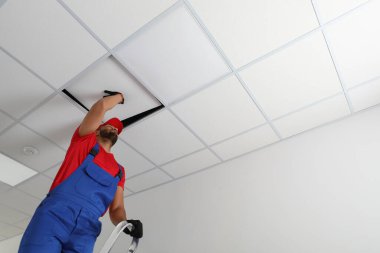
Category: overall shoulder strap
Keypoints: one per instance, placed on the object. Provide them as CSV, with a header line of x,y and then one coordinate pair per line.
x,y
120,174
95,150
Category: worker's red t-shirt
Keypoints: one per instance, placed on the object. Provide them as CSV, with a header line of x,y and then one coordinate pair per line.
x,y
79,148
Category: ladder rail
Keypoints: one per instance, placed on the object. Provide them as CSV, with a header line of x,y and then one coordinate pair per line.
x,y
115,234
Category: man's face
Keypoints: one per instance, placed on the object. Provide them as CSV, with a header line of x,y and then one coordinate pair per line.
x,y
109,132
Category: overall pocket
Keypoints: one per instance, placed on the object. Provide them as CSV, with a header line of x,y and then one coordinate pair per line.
x,y
97,185
87,224
99,175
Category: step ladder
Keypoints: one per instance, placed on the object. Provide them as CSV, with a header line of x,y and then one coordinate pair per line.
x,y
115,234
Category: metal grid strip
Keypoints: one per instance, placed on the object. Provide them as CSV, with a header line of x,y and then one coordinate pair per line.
x,y
111,52
349,103
229,64
173,8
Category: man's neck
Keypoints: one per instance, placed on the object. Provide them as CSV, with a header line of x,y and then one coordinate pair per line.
x,y
106,144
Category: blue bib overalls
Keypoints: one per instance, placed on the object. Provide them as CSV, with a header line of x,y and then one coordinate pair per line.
x,y
67,219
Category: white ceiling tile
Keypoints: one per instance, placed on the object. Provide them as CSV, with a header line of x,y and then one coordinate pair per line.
x,y
10,215
53,171
355,43
32,32
15,139
21,86
323,112
218,112
366,95
37,186
48,121
23,224
191,163
161,138
247,29
246,142
294,77
14,172
115,20
147,180
9,230
173,56
110,75
20,201
133,162
5,121
328,9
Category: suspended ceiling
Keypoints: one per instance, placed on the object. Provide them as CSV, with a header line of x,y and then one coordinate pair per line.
x,y
234,76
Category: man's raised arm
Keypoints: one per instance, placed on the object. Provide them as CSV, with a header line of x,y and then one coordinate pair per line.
x,y
94,117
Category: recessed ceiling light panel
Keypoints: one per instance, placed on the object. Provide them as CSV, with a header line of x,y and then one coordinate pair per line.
x,y
13,172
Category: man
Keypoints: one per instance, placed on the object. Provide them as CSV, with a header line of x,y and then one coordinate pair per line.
x,y
88,183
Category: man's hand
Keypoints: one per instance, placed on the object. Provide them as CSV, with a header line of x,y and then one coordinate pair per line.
x,y
94,117
113,93
137,231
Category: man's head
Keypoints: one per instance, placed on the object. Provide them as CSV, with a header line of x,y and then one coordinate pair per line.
x,y
110,130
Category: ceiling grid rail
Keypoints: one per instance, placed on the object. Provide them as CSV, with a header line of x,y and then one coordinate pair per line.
x,y
213,41
140,79
52,95
111,52
128,69
60,93
229,64
364,83
272,52
56,92
342,83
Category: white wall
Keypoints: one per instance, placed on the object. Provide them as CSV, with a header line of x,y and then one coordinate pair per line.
x,y
10,245
316,192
